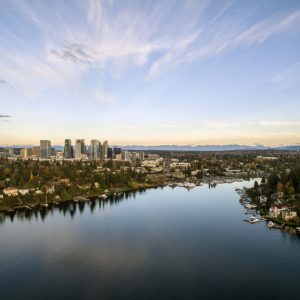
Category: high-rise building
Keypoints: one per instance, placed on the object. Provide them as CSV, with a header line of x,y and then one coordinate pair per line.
x,y
95,149
110,153
26,152
126,155
68,149
53,152
142,155
79,148
104,150
36,151
117,150
11,151
45,147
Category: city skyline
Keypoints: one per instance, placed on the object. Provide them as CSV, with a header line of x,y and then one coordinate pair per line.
x,y
150,72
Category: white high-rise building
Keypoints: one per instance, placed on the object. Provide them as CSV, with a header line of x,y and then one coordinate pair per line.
x,y
126,155
79,149
26,152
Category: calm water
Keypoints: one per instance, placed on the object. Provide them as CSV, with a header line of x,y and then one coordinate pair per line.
x,y
158,244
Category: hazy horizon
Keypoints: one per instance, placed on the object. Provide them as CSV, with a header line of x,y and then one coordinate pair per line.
x,y
150,72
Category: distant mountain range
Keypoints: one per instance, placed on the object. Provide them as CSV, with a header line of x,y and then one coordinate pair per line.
x,y
230,147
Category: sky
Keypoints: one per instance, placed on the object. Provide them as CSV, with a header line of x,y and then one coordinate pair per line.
x,y
150,72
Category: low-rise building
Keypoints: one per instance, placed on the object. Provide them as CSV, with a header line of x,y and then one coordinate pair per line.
x,y
180,165
178,175
84,186
194,173
262,199
274,212
11,192
288,215
64,181
23,192
51,189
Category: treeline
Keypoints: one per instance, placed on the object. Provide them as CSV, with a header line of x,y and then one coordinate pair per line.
x,y
34,174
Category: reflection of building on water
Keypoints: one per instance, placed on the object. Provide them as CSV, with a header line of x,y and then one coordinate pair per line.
x,y
68,207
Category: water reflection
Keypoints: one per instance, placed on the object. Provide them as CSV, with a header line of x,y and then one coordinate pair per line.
x,y
67,208
166,244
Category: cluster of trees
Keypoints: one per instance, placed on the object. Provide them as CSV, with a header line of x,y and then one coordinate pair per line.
x,y
35,174
287,182
70,179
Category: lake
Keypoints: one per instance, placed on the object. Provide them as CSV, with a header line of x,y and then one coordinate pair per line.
x,y
160,243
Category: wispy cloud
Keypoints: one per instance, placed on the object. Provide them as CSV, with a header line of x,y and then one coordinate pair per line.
x,y
220,124
174,126
111,37
4,116
288,77
279,123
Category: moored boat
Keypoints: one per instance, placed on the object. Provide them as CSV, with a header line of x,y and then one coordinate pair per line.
x,y
254,220
80,199
274,225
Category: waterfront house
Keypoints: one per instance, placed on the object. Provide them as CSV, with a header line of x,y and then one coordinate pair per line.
x,y
178,175
288,215
274,212
84,186
262,199
51,189
194,173
11,192
23,192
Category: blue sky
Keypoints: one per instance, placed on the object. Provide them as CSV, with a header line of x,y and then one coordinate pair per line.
x,y
150,72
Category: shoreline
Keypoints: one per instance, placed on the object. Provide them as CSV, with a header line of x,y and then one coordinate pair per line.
x,y
110,193
84,198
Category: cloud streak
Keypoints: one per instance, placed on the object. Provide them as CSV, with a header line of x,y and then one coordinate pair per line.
x,y
279,123
220,124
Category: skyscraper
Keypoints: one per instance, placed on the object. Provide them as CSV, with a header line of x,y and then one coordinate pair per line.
x,y
26,152
117,150
104,150
68,149
142,155
36,151
110,152
95,149
45,147
79,148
